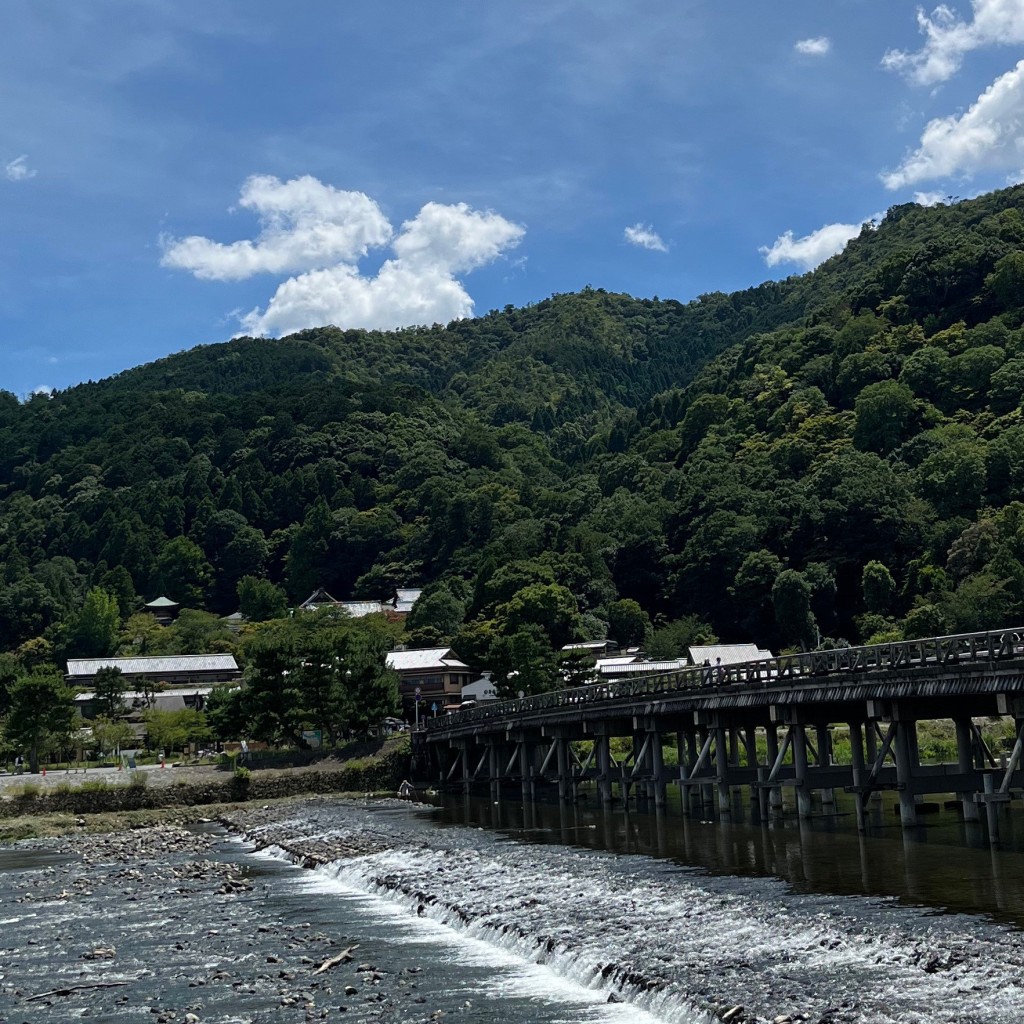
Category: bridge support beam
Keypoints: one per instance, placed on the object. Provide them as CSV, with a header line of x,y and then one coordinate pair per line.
x,y
906,763
722,769
828,794
649,759
566,787
526,769
604,768
857,760
772,739
803,791
965,764
494,768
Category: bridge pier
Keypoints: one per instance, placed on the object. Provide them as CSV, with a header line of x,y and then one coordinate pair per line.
x,y
828,794
526,769
775,792
906,763
966,765
566,786
722,769
857,760
494,768
803,792
603,756
658,769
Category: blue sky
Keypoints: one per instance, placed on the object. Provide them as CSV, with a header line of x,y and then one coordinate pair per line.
x,y
176,172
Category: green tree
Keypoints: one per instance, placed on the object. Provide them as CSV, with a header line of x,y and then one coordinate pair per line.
x,y
673,638
174,730
118,583
549,607
524,661
197,632
440,609
110,736
225,713
183,573
883,414
372,686
93,633
272,695
878,587
41,712
259,600
791,596
752,592
109,688
628,624
320,678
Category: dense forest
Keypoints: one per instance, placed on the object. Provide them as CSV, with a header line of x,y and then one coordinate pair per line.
x,y
838,457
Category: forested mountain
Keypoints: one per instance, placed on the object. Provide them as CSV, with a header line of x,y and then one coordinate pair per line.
x,y
840,454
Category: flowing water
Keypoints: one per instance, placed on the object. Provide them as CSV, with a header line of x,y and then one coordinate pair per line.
x,y
679,916
532,913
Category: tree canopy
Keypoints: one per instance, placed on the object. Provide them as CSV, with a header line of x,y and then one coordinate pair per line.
x,y
840,453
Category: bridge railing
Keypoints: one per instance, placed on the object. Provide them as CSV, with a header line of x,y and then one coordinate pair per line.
x,y
904,655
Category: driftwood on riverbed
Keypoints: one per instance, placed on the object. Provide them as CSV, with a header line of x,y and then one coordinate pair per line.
x,y
343,957
74,988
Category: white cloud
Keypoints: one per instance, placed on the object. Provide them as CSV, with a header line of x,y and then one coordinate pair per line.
x,y
397,296
813,47
311,227
454,238
929,198
989,137
304,225
948,38
645,236
812,249
417,287
18,169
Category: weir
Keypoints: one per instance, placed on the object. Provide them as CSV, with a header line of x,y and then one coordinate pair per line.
x,y
766,726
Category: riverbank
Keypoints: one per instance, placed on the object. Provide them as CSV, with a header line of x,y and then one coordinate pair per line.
x,y
44,805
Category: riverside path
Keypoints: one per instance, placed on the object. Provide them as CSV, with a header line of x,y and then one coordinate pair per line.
x,y
763,724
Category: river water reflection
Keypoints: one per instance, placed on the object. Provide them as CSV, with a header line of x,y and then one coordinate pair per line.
x,y
944,863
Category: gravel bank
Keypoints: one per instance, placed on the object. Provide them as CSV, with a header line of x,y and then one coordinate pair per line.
x,y
165,924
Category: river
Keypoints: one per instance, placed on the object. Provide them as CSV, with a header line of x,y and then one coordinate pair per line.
x,y
522,914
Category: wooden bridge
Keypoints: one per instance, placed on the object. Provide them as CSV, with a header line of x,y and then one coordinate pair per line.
x,y
763,724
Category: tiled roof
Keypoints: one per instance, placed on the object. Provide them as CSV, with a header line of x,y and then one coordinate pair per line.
x,y
730,654
155,665
427,658
357,609
642,667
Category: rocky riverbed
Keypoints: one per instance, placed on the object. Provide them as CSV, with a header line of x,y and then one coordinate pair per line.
x,y
398,918
161,924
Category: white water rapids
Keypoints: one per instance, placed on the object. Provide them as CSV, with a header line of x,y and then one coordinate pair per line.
x,y
671,940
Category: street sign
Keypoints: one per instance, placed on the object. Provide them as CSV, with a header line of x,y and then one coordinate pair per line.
x,y
433,707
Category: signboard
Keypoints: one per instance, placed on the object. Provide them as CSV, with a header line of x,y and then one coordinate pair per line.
x,y
313,737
